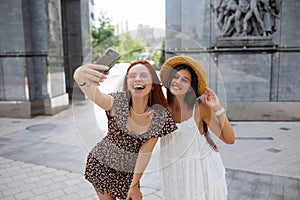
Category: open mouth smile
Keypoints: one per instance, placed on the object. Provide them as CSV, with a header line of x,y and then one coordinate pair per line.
x,y
138,87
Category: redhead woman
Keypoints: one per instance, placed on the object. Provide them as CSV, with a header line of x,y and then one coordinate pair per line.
x,y
137,117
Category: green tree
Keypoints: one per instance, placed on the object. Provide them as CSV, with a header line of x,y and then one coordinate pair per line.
x,y
103,35
129,47
159,57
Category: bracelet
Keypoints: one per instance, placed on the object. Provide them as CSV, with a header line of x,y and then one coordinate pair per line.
x,y
219,112
83,84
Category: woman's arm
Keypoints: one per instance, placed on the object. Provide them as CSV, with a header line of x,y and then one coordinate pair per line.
x,y
219,124
143,159
88,78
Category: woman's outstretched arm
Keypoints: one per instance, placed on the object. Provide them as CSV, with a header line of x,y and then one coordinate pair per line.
x,y
88,77
142,161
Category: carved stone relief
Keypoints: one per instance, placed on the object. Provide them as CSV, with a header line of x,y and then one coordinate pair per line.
x,y
246,17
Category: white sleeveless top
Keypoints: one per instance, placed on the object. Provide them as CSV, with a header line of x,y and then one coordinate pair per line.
x,y
190,168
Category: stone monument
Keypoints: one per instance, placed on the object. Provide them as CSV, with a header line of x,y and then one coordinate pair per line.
x,y
255,46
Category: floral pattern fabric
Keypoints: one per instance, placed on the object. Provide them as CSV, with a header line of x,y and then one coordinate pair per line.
x,y
110,164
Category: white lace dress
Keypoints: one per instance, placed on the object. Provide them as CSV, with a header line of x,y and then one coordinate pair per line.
x,y
190,168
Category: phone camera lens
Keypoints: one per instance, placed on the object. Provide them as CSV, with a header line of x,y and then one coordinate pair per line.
x,y
109,52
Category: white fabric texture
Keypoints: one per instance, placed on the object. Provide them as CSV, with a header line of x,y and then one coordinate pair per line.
x,y
190,168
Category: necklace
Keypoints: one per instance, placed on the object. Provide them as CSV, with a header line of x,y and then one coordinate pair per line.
x,y
140,115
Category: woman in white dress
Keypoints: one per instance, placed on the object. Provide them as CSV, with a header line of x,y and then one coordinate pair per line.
x,y
190,162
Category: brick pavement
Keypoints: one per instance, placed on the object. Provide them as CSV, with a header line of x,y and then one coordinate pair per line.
x,y
44,157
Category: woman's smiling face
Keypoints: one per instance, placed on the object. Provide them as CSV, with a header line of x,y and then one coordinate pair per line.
x,y
181,83
139,81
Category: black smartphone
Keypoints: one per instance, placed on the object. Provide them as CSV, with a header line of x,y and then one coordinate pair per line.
x,y
109,58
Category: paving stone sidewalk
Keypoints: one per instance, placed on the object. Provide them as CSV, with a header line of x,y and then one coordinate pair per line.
x,y
44,158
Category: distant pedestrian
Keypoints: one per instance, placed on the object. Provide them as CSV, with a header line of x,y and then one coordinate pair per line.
x,y
137,116
192,167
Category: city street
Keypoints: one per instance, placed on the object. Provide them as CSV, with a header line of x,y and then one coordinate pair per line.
x,y
44,157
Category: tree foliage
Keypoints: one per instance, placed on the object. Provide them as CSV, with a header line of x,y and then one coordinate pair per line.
x,y
130,47
103,35
159,57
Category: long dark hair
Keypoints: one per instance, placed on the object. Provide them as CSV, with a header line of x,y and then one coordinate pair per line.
x,y
190,97
156,95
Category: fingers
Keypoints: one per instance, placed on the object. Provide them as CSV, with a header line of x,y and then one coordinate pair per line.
x,y
136,198
207,99
91,74
134,194
95,76
209,92
207,95
97,67
211,99
210,95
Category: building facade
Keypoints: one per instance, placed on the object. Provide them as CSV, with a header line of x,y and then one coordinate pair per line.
x,y
249,48
41,43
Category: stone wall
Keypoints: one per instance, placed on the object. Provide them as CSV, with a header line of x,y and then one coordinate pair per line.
x,y
32,72
258,69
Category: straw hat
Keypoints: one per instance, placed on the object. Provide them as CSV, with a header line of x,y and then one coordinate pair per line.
x,y
184,60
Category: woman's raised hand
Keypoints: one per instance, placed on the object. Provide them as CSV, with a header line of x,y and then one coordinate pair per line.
x,y
89,74
212,100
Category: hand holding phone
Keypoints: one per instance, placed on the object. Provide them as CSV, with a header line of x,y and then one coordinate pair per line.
x,y
109,58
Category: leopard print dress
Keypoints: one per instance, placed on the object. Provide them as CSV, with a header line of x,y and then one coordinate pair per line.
x,y
110,164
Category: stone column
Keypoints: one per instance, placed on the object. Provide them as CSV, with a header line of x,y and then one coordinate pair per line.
x,y
32,79
76,39
173,24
